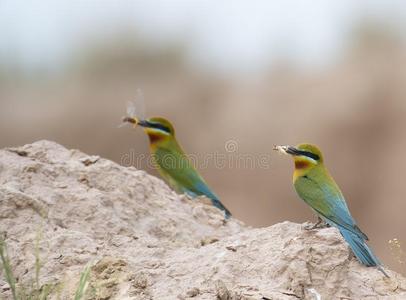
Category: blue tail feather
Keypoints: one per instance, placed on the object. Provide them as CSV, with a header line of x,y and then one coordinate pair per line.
x,y
361,250
219,205
201,189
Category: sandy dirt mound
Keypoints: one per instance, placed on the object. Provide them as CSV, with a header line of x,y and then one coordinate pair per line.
x,y
146,242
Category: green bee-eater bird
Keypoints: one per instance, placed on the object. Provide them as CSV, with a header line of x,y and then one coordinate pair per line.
x,y
314,184
173,164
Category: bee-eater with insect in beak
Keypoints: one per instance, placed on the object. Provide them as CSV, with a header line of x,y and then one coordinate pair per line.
x,y
173,164
314,184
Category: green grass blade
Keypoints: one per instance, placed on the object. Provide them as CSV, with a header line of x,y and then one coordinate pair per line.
x,y
83,283
6,266
37,258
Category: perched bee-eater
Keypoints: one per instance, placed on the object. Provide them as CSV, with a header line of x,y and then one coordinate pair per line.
x,y
173,164
314,184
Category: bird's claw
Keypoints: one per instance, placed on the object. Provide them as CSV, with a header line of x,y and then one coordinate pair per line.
x,y
319,225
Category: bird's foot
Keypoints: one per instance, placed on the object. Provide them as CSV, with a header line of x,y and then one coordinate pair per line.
x,y
319,225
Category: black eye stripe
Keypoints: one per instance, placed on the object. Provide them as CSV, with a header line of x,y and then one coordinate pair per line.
x,y
295,151
309,154
159,126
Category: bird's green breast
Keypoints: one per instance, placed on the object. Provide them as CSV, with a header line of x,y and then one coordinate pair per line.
x,y
174,165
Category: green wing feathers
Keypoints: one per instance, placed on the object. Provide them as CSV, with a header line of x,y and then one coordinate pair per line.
x,y
179,172
328,202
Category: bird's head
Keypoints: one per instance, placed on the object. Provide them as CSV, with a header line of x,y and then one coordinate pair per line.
x,y
306,156
157,128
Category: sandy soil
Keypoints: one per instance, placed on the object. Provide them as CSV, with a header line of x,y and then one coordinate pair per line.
x,y
146,242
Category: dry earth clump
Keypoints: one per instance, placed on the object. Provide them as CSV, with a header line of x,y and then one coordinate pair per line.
x,y
146,242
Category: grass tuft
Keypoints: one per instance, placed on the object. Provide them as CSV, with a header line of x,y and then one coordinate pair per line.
x,y
83,283
397,251
6,266
37,258
35,291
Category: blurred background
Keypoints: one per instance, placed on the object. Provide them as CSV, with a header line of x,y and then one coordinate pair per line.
x,y
256,73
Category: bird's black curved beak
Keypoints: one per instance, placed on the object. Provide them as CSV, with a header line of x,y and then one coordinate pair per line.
x,y
135,122
293,151
296,152
144,123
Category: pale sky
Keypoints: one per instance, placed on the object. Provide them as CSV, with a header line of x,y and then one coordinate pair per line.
x,y
228,35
